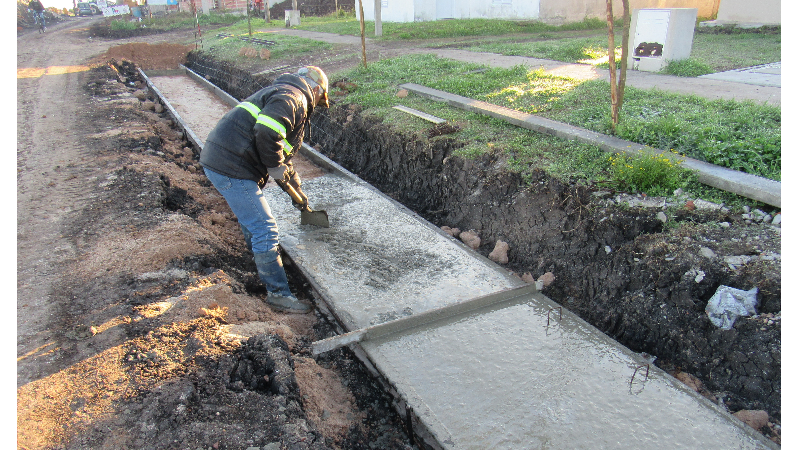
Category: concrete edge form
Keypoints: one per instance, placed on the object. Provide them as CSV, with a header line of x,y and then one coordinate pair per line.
x,y
177,117
740,183
211,87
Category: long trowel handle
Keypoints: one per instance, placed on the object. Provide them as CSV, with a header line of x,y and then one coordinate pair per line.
x,y
296,197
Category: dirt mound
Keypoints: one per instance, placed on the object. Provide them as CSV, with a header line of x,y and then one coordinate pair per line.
x,y
160,56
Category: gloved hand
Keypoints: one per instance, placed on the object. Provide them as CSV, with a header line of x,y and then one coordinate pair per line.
x,y
294,178
278,173
301,206
294,181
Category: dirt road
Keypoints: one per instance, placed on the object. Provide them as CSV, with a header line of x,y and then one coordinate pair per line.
x,y
140,320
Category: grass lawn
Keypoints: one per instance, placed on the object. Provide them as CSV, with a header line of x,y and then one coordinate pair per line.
x,y
739,135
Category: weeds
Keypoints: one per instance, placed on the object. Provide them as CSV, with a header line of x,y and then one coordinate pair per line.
x,y
652,174
687,68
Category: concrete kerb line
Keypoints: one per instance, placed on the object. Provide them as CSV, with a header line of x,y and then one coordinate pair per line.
x,y
740,183
189,133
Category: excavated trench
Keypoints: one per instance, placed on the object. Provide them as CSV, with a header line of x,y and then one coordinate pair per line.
x,y
619,268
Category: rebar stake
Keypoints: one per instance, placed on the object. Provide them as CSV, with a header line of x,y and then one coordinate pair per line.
x,y
559,314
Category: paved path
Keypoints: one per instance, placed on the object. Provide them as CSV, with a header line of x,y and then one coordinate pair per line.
x,y
760,84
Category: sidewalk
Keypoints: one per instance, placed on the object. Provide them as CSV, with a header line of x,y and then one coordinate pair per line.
x,y
760,84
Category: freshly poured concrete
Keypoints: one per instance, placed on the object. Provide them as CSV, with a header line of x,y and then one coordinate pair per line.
x,y
378,260
503,379
498,377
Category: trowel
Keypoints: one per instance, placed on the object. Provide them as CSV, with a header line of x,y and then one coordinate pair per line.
x,y
307,216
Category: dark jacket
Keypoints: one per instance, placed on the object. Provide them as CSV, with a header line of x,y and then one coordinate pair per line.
x,y
241,148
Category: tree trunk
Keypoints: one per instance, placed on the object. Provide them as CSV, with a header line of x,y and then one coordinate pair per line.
x,y
363,39
612,66
617,87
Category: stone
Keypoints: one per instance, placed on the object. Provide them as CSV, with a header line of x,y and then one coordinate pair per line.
x,y
756,418
689,380
451,231
148,105
725,224
707,252
746,209
601,194
661,217
528,278
402,93
158,108
690,205
500,253
471,239
265,53
547,279
777,219
703,204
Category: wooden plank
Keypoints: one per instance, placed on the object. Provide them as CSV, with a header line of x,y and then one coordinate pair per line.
x,y
420,114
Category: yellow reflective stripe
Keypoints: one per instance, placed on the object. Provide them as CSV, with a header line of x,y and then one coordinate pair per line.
x,y
251,108
268,122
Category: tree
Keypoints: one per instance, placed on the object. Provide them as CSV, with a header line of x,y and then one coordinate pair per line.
x,y
617,87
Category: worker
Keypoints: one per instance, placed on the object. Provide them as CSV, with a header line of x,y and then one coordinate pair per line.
x,y
252,142
38,10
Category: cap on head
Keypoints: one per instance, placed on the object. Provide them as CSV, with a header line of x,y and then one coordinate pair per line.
x,y
317,77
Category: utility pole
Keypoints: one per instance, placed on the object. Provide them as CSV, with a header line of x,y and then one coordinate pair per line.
x,y
266,10
378,24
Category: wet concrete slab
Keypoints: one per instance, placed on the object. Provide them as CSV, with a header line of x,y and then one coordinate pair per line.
x,y
516,376
379,261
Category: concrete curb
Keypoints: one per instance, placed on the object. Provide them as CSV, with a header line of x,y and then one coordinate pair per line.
x,y
740,183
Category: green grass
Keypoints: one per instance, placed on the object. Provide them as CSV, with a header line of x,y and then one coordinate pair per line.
x,y
687,68
285,46
728,51
185,20
740,135
440,29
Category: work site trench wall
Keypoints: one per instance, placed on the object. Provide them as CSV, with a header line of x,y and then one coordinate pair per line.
x,y
619,268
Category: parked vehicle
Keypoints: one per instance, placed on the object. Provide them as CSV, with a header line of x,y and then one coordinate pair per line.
x,y
88,9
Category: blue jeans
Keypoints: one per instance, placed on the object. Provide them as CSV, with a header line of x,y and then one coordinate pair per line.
x,y
251,209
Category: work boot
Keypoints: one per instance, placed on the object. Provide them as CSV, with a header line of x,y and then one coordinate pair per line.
x,y
271,273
